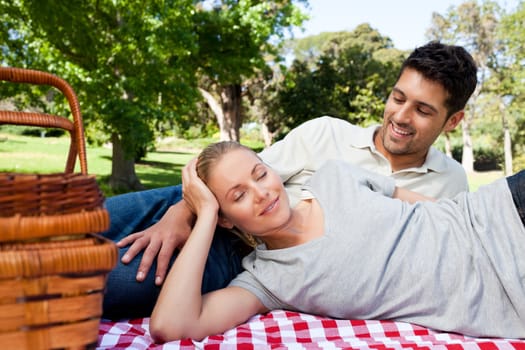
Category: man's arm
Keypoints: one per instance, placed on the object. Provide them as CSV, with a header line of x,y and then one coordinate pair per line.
x,y
410,196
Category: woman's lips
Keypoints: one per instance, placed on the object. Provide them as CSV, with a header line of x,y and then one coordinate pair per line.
x,y
270,207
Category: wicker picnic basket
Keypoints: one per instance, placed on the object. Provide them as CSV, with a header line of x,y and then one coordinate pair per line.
x,y
53,262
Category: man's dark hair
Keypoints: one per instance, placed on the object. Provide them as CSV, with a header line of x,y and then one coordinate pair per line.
x,y
449,65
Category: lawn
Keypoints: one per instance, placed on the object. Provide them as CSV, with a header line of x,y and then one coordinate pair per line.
x,y
48,155
160,168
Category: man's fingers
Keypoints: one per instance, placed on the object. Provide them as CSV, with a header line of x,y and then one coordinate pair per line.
x,y
147,259
129,239
163,260
138,245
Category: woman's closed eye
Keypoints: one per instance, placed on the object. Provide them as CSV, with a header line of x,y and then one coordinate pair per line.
x,y
237,196
262,175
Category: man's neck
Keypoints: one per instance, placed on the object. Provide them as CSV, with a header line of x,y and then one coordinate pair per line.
x,y
398,161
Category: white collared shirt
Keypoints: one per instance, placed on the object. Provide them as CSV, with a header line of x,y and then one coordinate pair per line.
x,y
307,147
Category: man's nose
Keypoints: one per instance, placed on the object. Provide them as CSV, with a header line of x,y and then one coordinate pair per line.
x,y
403,114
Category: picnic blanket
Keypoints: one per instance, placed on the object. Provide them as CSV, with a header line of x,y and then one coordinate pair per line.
x,y
292,330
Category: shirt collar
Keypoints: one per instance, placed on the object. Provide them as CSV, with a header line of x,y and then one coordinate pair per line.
x,y
435,161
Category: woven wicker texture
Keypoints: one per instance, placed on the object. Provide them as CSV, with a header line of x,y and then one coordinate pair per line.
x,y
53,263
48,194
43,205
75,127
63,257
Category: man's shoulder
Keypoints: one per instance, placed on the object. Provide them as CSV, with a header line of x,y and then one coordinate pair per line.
x,y
448,175
327,120
328,125
443,163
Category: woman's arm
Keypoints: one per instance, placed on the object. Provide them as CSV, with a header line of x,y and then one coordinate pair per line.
x,y
181,310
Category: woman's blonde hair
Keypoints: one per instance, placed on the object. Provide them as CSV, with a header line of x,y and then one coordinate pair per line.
x,y
205,163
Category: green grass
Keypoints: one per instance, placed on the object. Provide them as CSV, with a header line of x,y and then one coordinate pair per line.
x,y
160,168
480,178
26,154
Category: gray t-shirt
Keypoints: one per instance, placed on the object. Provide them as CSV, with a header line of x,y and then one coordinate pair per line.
x,y
454,265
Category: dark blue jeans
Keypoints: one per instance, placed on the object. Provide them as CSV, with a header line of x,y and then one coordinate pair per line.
x,y
516,184
136,211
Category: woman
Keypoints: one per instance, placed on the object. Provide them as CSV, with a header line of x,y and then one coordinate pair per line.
x,y
347,250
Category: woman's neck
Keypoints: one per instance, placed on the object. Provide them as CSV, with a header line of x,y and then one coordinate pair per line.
x,y
306,223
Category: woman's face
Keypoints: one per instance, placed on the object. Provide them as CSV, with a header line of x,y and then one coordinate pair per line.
x,y
250,194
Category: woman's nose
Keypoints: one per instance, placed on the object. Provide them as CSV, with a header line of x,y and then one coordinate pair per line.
x,y
261,192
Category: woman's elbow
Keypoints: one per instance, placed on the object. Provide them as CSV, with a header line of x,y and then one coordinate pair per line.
x,y
163,331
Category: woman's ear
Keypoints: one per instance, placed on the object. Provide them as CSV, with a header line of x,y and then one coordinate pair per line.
x,y
223,222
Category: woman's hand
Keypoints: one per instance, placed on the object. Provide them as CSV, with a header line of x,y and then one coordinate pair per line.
x,y
195,192
160,240
181,311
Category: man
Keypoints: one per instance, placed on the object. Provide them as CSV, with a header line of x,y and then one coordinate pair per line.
x,y
428,98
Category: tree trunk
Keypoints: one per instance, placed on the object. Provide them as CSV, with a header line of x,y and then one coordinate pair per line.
x,y
214,106
123,176
228,113
266,135
467,159
231,108
448,146
507,142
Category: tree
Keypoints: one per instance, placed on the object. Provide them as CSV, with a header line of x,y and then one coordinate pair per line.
x,y
129,61
348,76
236,38
512,76
137,64
473,26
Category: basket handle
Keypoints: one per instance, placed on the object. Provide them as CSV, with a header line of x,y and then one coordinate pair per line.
x,y
75,128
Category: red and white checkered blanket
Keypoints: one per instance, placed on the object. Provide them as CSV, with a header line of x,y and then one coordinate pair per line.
x,y
291,330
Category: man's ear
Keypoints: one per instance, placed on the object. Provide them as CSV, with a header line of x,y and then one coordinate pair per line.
x,y
223,222
453,121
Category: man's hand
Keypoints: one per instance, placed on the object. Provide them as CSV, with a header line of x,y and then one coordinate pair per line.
x,y
410,196
159,240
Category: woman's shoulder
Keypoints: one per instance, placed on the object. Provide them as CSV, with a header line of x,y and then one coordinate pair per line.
x,y
338,168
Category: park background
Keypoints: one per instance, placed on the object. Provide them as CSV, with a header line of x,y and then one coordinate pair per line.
x,y
158,80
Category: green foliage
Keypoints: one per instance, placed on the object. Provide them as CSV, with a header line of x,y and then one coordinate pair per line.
x,y
486,154
238,42
200,130
310,48
348,79
135,65
129,61
518,163
494,38
48,155
512,32
234,37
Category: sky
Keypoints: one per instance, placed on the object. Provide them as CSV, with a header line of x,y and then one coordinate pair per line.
x,y
404,21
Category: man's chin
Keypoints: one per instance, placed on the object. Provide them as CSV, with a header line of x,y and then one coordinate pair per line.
x,y
396,149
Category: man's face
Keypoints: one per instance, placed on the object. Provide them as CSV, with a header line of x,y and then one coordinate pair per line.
x,y
415,115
